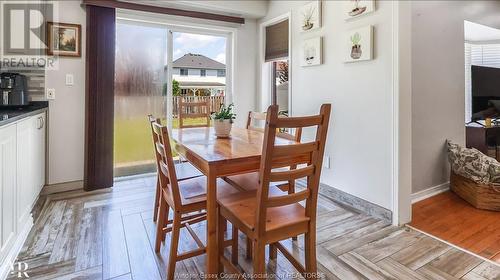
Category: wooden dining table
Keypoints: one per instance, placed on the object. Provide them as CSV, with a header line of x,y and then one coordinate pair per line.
x,y
219,157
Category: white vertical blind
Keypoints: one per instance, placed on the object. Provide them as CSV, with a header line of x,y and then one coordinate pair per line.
x,y
480,55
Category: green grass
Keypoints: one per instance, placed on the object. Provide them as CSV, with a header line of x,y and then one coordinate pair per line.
x,y
132,139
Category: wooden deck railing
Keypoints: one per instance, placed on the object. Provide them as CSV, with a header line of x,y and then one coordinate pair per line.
x,y
215,102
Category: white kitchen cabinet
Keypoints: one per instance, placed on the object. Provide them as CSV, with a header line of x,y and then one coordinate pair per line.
x,y
7,189
22,176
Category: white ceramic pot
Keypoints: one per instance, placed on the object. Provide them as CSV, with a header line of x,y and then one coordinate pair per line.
x,y
222,128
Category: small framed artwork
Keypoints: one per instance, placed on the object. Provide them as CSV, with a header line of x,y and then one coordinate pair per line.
x,y
64,39
359,44
312,52
310,16
357,8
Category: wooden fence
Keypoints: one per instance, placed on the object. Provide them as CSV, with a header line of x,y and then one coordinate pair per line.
x,y
215,102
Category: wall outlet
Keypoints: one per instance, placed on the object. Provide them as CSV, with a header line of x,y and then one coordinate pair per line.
x,y
70,80
50,93
326,162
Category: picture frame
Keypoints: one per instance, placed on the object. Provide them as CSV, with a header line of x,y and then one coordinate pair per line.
x,y
64,39
357,8
359,44
312,52
310,16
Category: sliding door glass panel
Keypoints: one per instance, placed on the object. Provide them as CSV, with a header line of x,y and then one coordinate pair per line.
x,y
198,71
140,89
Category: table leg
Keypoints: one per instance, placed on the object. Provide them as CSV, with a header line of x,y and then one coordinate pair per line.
x,y
212,248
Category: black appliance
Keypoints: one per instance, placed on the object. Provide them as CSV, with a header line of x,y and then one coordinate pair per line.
x,y
13,90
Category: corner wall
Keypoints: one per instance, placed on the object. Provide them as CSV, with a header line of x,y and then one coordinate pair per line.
x,y
438,82
361,140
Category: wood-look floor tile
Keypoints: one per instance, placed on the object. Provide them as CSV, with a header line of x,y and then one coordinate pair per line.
x,y
399,271
488,271
456,263
115,255
433,273
389,245
89,251
142,260
365,267
343,227
65,244
421,252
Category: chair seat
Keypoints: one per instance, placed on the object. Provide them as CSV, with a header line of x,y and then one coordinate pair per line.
x,y
193,192
251,182
186,170
241,206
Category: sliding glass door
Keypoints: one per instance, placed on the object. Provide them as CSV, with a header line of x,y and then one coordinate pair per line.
x,y
140,89
156,66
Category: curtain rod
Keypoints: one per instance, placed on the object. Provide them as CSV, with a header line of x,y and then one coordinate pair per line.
x,y
162,10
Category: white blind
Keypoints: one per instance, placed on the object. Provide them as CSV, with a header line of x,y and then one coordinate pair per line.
x,y
480,55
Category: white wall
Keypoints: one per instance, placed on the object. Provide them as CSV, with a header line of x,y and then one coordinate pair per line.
x,y
360,141
67,111
438,77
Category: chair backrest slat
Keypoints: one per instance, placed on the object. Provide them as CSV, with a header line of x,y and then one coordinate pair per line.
x,y
274,156
165,164
194,110
257,116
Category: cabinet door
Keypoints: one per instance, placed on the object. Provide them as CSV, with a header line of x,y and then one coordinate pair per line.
x,y
39,151
25,175
7,188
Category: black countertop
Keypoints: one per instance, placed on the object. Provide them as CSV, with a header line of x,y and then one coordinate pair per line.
x,y
12,114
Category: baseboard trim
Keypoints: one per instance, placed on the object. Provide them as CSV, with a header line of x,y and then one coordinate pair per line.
x,y
432,191
5,267
354,202
62,187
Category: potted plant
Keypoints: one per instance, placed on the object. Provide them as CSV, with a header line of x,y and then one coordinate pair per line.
x,y
223,121
356,47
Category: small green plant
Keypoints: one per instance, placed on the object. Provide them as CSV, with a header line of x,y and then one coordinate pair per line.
x,y
355,39
225,113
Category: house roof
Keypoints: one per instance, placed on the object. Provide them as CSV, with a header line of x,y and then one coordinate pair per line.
x,y
197,61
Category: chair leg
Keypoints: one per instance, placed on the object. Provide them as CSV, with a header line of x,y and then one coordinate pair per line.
x,y
157,199
259,263
167,213
273,252
220,241
310,254
160,234
249,248
174,244
234,246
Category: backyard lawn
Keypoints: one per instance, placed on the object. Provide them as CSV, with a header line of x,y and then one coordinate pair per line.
x,y
132,140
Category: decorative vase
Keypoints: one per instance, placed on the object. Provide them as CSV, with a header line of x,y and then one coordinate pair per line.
x,y
222,128
356,51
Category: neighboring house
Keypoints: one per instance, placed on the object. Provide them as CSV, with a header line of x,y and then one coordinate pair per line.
x,y
199,75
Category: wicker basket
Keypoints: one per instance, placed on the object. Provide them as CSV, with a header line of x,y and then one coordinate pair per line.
x,y
481,196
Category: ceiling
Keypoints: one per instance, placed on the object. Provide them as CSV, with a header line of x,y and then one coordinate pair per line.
x,y
474,32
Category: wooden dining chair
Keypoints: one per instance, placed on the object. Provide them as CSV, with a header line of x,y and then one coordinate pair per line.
x,y
253,118
184,170
187,199
272,215
194,110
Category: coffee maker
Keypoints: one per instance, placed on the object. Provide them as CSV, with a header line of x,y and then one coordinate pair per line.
x,y
13,90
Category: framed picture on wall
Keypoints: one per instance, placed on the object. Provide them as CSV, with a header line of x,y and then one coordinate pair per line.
x,y
359,44
312,52
64,39
357,8
310,16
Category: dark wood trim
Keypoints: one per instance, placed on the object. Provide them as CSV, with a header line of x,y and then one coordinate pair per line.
x,y
163,10
274,97
99,97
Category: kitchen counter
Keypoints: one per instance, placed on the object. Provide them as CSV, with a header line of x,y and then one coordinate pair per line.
x,y
12,114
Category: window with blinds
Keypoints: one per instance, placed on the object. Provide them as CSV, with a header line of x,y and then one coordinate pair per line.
x,y
480,55
277,41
